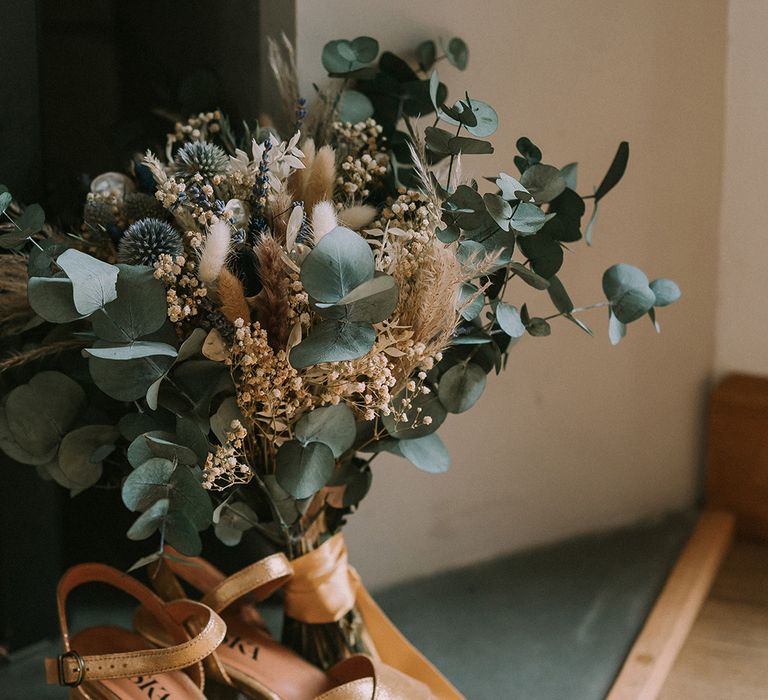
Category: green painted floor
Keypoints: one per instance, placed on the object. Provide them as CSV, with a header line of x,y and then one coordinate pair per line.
x,y
553,623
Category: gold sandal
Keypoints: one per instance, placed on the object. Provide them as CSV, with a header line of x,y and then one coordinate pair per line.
x,y
249,659
112,663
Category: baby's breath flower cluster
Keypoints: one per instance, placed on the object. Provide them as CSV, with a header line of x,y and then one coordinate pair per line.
x,y
362,164
226,466
270,391
184,291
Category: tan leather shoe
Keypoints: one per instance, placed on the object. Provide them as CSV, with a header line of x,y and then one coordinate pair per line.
x,y
111,663
249,659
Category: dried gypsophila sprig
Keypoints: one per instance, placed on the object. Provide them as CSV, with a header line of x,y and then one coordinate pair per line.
x,y
227,466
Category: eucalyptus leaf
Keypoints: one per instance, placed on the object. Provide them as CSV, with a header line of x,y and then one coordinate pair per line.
x,y
139,309
334,426
93,281
559,296
339,263
538,327
158,443
470,302
616,329
354,107
666,292
302,470
544,252
615,171
426,53
51,298
31,220
6,198
486,120
333,341
15,451
130,351
628,290
42,411
544,182
508,318
457,53
149,521
133,378
428,453
231,520
511,188
529,276
569,173
221,421
76,452
461,386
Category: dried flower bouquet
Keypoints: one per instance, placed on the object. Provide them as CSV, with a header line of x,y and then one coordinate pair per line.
x,y
245,321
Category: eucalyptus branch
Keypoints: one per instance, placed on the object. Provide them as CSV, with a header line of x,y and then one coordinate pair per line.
x,y
598,305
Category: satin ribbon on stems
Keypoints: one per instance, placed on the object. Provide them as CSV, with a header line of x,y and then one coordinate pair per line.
x,y
325,587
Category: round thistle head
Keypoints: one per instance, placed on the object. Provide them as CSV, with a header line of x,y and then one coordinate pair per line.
x,y
146,240
200,157
139,205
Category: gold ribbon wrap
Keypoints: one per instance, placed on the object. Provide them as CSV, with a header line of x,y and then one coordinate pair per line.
x,y
325,587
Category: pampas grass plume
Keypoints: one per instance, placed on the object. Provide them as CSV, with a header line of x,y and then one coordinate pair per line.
x,y
214,253
323,219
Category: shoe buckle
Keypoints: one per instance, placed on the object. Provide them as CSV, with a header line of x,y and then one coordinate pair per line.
x,y
63,668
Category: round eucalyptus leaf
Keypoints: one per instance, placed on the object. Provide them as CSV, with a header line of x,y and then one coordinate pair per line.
x,y
529,276
231,520
302,470
357,488
139,309
51,298
76,455
93,281
544,253
147,483
508,318
486,120
426,53
470,302
423,406
428,453
129,380
158,443
16,452
461,386
354,107
666,292
616,329
6,199
181,533
366,48
457,53
221,421
512,188
628,290
499,209
527,218
334,426
544,182
371,302
40,412
333,341
32,219
539,327
341,261
149,521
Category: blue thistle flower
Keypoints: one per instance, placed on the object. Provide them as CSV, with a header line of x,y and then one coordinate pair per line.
x,y
146,240
207,159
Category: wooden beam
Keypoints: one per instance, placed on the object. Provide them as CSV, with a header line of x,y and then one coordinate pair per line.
x,y
659,642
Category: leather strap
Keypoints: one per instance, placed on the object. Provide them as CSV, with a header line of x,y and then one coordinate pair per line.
x,y
363,678
259,580
72,669
253,583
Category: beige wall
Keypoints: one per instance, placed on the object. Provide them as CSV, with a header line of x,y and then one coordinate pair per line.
x,y
576,435
742,319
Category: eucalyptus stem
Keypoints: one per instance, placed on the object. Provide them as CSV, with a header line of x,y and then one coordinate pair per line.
x,y
598,305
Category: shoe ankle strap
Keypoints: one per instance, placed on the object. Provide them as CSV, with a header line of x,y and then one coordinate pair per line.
x,y
71,669
257,581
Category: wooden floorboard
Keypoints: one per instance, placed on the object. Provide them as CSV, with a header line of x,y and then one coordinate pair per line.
x,y
725,656
667,627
